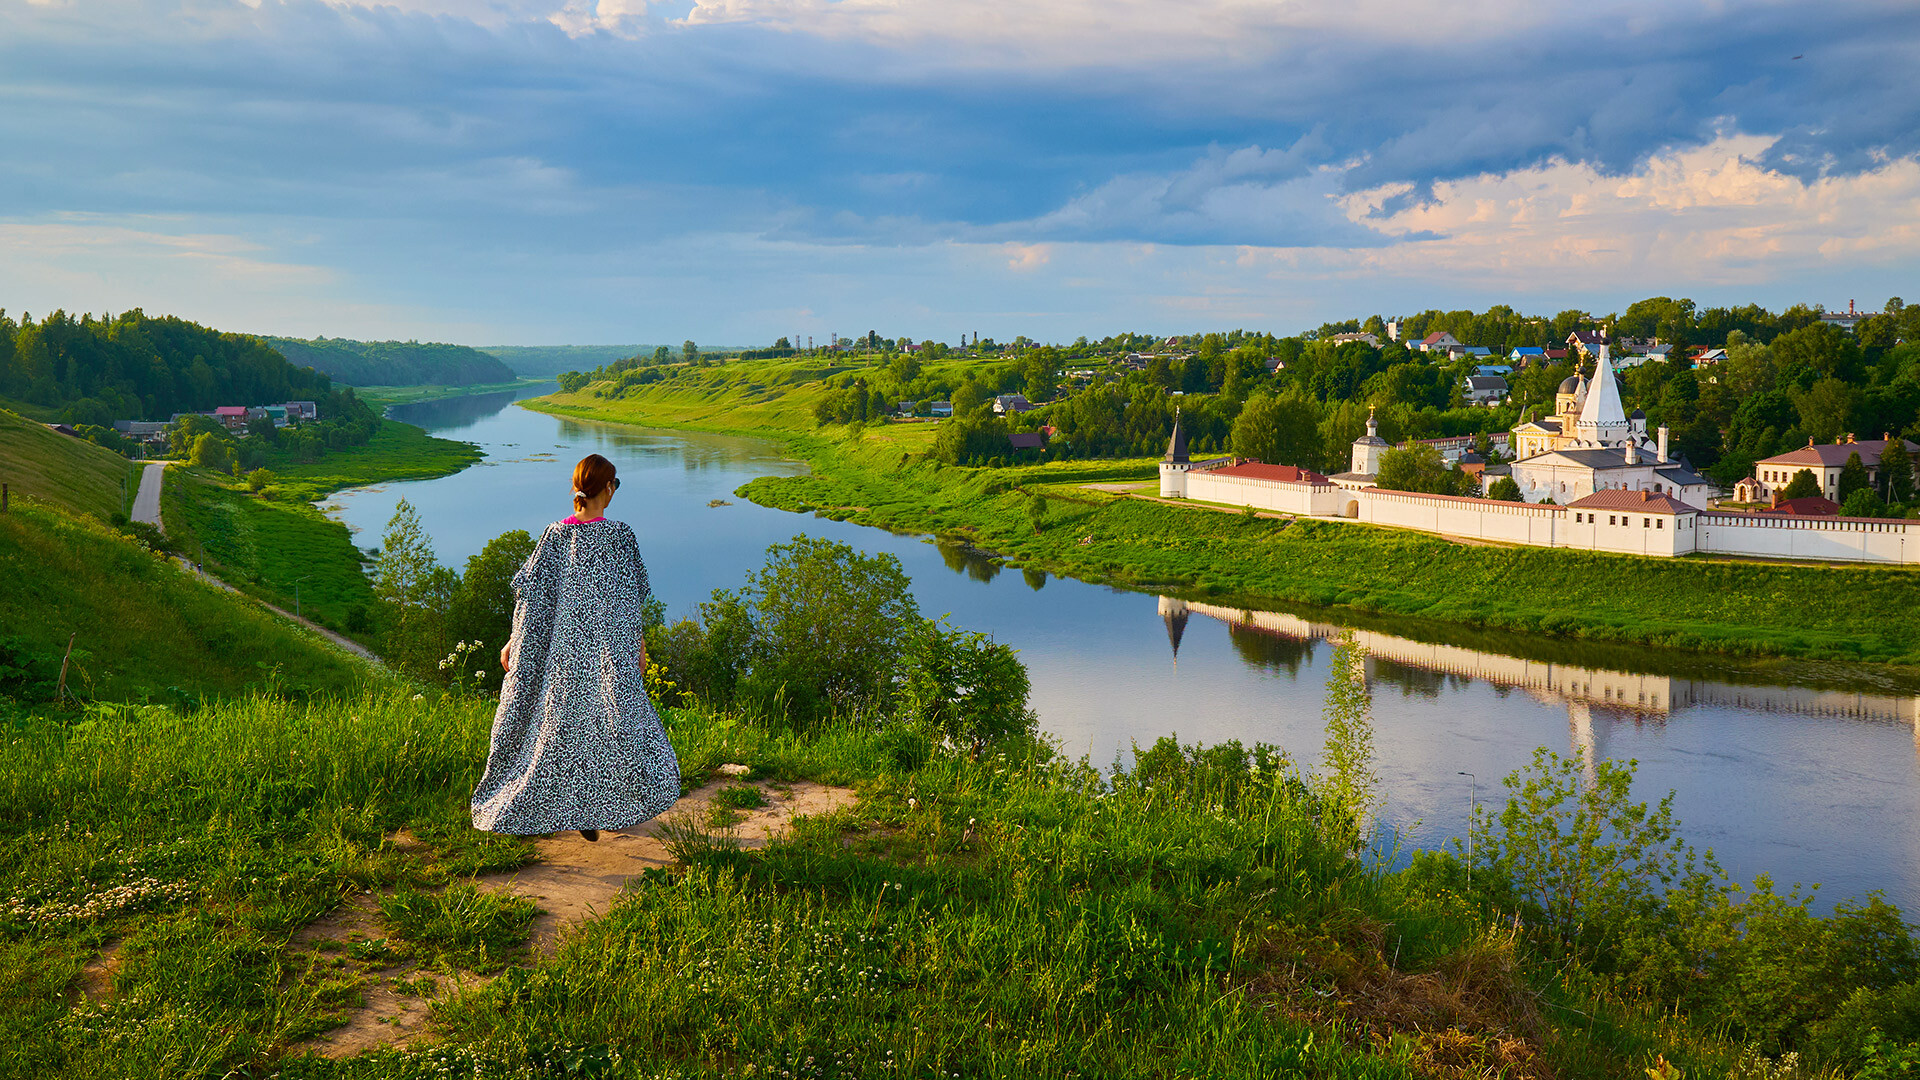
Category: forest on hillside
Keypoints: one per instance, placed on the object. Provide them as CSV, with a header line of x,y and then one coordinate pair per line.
x,y
394,363
133,366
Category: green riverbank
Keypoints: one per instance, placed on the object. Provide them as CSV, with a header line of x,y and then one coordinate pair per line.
x,y
880,477
267,543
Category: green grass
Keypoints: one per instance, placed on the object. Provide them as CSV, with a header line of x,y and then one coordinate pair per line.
x,y
382,396
264,543
141,627
1010,916
70,473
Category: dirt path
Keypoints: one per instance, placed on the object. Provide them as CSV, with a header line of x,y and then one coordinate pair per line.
x,y
573,881
146,502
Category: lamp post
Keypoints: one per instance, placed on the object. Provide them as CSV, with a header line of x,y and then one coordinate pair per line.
x,y
1473,808
296,596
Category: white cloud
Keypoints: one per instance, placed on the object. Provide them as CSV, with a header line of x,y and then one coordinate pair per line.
x,y
1707,213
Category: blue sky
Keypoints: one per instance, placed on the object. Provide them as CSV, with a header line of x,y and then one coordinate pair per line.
x,y
584,171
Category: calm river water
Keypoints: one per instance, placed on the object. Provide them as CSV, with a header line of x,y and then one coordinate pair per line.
x,y
1810,775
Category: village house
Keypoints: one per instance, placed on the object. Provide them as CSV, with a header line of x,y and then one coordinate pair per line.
x,y
1824,461
1485,389
1586,343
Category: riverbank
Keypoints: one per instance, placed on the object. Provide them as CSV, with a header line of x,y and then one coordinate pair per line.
x,y
256,874
880,477
277,545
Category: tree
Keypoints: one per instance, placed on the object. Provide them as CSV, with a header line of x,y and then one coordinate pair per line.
x,y
689,351
1896,470
1280,430
210,452
258,479
1826,409
1506,490
662,354
905,367
483,609
966,685
970,396
1803,484
1862,503
1853,476
829,626
1420,468
406,559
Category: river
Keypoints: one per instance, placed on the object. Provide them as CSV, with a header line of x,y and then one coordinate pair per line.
x,y
1808,773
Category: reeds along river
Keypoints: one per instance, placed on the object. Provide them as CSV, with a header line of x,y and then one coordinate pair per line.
x,y
1810,774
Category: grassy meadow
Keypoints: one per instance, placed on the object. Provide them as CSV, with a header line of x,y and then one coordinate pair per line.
x,y
263,542
70,473
142,629
1012,915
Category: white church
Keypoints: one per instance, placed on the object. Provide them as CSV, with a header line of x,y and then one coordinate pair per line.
x,y
1590,444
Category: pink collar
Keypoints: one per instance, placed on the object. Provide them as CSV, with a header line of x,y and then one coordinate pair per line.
x,y
574,519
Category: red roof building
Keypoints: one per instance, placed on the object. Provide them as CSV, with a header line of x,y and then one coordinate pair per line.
x,y
1810,506
1640,502
1285,474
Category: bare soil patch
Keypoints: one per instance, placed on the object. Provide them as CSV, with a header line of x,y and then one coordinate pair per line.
x,y
573,880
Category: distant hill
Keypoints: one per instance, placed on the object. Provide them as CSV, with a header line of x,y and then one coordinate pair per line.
x,y
394,363
553,359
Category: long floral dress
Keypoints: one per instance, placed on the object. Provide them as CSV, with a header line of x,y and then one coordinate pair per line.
x,y
576,742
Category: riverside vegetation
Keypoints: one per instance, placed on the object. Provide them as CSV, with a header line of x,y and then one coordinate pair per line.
x,y
988,908
1041,515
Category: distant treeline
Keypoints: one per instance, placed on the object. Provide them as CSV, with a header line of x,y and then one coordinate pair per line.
x,y
551,360
88,370
394,363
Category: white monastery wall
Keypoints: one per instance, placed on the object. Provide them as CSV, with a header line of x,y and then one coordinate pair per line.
x,y
1480,519
1836,539
1307,500
1885,541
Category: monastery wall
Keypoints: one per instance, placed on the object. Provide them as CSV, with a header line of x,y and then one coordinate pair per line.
x,y
1306,500
1878,540
1480,519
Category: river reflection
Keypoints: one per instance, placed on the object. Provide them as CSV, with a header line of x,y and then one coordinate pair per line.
x,y
1808,773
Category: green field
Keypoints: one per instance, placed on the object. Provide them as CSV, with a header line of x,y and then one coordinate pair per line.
x,y
1012,916
141,628
70,473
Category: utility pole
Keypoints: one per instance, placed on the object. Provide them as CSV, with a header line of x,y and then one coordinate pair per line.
x,y
296,593
1473,809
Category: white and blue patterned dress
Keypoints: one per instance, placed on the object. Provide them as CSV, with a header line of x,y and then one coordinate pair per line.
x,y
576,743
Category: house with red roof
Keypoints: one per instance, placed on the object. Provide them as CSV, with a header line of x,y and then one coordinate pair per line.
x,y
234,417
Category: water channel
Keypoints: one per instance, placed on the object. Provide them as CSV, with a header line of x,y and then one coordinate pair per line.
x,y
1807,773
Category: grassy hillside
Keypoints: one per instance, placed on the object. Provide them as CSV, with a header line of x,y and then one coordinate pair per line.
x,y
1014,916
394,363
757,397
267,542
70,473
144,628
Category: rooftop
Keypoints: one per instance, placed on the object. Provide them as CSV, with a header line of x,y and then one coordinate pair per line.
x,y
1834,455
1641,501
1286,474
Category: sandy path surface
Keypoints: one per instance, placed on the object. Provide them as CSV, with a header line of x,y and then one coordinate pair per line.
x,y
573,881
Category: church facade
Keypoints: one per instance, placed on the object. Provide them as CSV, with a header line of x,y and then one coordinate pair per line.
x,y
1590,444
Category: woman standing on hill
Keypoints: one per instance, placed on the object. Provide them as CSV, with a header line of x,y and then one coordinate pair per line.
x,y
576,743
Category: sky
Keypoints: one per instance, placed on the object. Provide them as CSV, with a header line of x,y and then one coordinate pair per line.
x,y
731,171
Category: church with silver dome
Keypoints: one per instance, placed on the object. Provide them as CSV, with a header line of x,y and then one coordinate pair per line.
x,y
1590,444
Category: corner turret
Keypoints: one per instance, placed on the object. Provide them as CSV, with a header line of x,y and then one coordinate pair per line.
x,y
1174,467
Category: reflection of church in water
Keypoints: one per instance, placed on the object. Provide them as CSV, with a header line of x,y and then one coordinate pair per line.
x,y
1279,640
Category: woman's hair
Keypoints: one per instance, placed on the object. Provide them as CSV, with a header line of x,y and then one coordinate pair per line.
x,y
590,478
